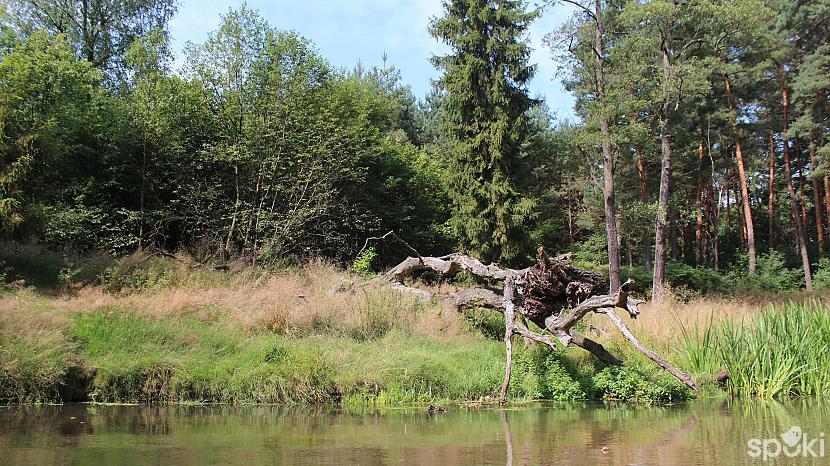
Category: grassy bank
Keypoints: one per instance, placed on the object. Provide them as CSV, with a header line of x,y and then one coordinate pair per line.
x,y
161,330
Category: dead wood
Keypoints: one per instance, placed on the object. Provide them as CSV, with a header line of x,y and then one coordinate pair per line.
x,y
552,294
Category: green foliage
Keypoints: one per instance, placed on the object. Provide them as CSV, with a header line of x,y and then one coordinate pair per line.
x,y
772,274
630,384
486,322
45,98
699,348
538,373
700,279
100,34
783,353
364,261
50,270
487,122
821,276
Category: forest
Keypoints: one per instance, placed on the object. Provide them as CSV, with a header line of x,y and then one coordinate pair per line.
x,y
697,159
212,226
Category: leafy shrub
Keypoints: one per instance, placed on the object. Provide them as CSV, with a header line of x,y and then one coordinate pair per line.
x,y
558,385
821,276
772,274
364,261
700,279
538,373
630,384
133,274
84,229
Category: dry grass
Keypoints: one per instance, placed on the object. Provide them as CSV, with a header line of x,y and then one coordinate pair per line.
x,y
293,304
661,324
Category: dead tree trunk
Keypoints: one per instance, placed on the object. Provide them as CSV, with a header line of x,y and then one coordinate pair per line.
x,y
553,295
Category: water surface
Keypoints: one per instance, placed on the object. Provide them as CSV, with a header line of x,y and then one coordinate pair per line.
x,y
575,434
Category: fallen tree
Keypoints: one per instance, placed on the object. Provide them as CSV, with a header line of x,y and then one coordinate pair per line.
x,y
552,294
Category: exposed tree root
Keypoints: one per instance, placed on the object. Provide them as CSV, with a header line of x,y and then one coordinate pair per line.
x,y
552,294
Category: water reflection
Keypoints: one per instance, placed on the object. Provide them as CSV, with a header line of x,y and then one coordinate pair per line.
x,y
573,434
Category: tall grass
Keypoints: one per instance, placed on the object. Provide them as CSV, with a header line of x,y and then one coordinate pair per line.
x,y
784,351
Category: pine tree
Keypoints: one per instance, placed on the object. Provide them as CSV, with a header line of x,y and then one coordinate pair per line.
x,y
485,78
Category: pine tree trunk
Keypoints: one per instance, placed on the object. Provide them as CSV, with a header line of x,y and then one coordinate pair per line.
x,y
801,193
716,240
728,215
641,170
801,239
771,191
699,209
817,199
235,211
658,283
607,161
750,230
827,198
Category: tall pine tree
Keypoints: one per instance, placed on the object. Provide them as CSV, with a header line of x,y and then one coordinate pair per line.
x,y
485,79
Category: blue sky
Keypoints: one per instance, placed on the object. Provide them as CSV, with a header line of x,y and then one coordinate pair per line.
x,y
348,31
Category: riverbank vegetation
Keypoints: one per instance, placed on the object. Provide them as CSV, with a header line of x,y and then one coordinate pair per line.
x,y
159,329
172,224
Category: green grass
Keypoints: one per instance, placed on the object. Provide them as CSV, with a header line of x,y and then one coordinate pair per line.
x,y
783,352
371,347
132,359
139,360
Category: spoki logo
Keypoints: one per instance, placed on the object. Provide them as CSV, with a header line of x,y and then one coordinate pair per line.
x,y
794,443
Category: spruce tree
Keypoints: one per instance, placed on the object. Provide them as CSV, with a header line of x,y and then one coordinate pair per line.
x,y
485,78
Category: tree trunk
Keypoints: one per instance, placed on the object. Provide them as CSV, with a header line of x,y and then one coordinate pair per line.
x,y
801,239
799,163
554,295
817,198
235,211
658,284
716,224
728,215
750,229
741,224
771,191
607,160
699,208
641,171
826,184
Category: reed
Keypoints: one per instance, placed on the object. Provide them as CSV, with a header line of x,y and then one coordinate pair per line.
x,y
781,352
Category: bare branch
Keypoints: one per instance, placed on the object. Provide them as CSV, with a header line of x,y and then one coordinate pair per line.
x,y
584,9
388,234
555,297
683,377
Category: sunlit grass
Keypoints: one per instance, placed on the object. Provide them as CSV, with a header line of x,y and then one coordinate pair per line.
x,y
784,351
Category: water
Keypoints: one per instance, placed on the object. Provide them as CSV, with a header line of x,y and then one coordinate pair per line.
x,y
574,434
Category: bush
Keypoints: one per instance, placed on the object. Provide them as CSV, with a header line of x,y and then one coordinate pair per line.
x,y
539,373
364,261
772,274
44,268
630,384
700,279
821,276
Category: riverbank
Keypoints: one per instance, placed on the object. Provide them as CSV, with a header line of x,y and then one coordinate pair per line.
x,y
161,330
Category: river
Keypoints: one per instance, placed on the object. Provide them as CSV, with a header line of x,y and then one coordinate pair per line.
x,y
704,432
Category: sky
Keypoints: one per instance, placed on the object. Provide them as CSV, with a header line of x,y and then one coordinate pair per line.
x,y
348,31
